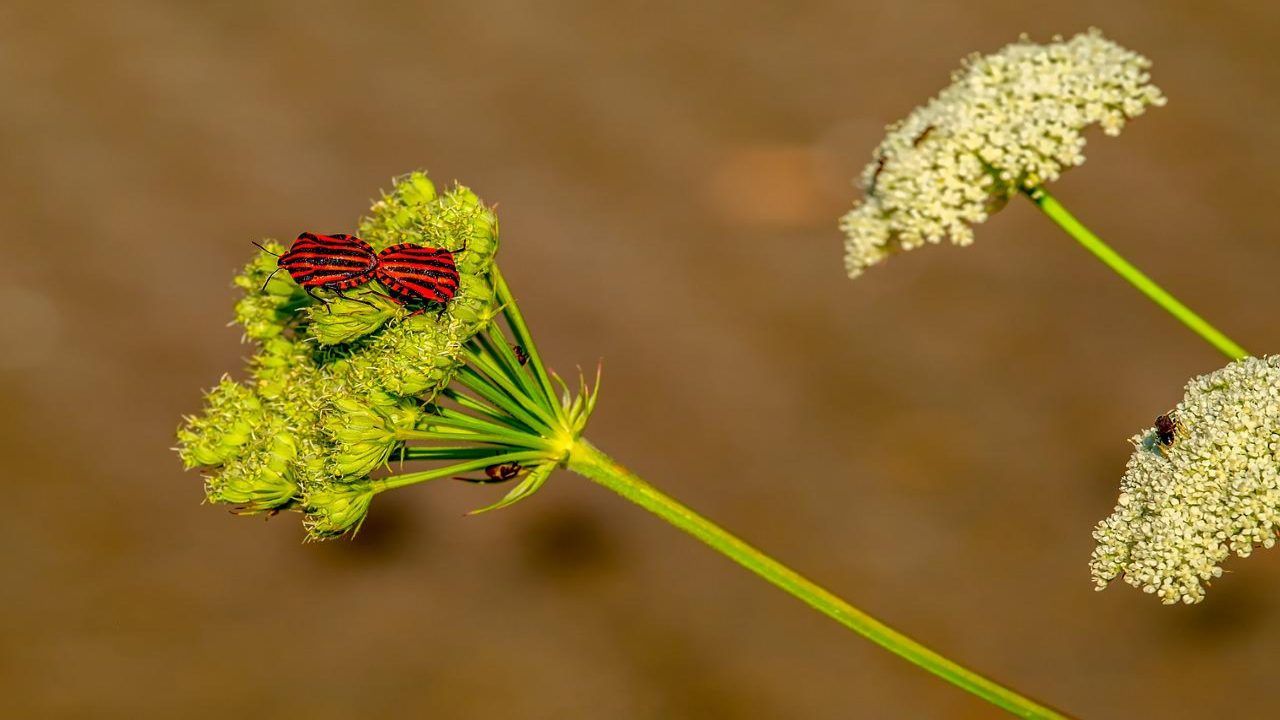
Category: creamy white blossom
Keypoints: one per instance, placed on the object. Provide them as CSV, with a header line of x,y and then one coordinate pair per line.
x,y
1187,506
1009,120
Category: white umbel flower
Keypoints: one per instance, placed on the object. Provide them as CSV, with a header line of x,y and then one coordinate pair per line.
x,y
1186,507
1009,120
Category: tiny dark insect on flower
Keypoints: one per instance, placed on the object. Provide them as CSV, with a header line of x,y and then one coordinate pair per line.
x,y
333,262
920,138
413,273
1167,429
875,176
501,472
522,357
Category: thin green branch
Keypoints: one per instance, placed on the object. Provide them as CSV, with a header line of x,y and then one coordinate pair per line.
x,y
515,320
450,452
494,344
448,418
528,441
1136,277
488,369
586,460
398,481
489,414
478,384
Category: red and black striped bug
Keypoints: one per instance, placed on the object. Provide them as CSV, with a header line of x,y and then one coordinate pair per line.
x,y
413,273
334,262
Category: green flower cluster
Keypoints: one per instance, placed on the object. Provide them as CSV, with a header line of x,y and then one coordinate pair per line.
x,y
334,388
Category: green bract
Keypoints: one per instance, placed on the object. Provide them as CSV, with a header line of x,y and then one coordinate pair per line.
x,y
330,387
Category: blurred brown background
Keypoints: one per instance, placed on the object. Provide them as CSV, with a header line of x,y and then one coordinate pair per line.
x,y
934,441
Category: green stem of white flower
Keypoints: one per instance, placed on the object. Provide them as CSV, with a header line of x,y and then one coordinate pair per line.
x,y
1056,212
585,459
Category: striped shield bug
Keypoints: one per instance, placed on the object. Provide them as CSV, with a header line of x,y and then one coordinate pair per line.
x,y
413,273
333,262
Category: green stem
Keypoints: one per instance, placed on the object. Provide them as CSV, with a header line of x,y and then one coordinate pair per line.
x,y
518,327
1126,270
392,482
590,462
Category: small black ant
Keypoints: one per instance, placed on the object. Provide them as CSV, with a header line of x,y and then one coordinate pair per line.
x,y
875,176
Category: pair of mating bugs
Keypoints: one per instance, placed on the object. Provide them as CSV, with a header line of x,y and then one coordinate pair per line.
x,y
411,273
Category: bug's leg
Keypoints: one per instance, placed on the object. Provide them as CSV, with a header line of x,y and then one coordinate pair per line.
x,y
322,301
354,299
484,480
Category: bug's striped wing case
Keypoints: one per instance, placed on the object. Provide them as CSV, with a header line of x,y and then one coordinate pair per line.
x,y
413,272
338,262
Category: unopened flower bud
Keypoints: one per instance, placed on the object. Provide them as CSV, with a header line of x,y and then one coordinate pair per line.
x,y
344,320
364,438
393,217
415,357
258,482
232,411
335,508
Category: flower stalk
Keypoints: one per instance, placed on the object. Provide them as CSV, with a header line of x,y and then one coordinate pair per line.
x,y
1135,277
527,391
586,460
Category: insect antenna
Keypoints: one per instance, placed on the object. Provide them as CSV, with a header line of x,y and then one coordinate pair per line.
x,y
273,272
259,246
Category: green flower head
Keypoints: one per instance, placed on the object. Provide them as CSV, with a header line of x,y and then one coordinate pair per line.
x,y
331,385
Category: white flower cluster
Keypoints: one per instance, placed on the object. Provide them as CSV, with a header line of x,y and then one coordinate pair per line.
x,y
1186,506
1009,120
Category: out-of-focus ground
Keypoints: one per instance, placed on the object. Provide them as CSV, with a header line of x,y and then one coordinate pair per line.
x,y
934,441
